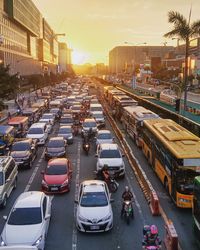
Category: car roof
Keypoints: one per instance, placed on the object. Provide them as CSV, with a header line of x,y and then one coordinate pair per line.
x,y
89,120
93,186
65,127
24,140
37,125
57,138
58,161
104,131
29,199
108,146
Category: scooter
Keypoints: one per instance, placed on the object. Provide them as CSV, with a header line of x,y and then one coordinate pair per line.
x,y
111,182
86,147
127,211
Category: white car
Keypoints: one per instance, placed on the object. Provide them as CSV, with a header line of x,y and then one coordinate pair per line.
x,y
94,211
109,154
104,136
28,221
38,131
49,116
48,124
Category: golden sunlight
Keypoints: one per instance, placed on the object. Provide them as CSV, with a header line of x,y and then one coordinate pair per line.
x,y
79,57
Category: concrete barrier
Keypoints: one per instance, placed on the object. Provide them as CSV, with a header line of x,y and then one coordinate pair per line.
x,y
154,204
171,237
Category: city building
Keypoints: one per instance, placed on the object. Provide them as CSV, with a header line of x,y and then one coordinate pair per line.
x,y
64,62
121,56
27,42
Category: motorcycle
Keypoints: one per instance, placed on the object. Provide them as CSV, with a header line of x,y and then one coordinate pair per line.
x,y
86,147
111,182
154,244
127,211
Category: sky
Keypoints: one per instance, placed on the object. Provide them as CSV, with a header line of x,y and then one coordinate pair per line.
x,y
94,27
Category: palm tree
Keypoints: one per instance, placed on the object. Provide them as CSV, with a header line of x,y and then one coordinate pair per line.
x,y
184,31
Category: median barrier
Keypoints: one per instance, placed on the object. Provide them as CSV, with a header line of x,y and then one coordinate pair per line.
x,y
154,204
171,237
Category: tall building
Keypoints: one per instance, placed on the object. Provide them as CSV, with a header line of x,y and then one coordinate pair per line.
x,y
64,61
121,56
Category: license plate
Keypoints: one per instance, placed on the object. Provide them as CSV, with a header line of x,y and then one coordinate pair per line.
x,y
94,227
54,189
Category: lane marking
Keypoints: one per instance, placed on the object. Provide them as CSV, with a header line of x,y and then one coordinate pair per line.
x,y
74,232
31,179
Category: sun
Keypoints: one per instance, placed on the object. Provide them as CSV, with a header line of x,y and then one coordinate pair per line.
x,y
79,57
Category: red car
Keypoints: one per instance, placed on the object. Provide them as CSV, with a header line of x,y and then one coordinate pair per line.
x,y
57,176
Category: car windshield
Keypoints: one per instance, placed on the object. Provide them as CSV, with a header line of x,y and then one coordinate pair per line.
x,y
64,131
66,120
25,216
56,170
47,116
104,136
1,179
89,124
56,144
94,199
98,115
20,147
111,153
35,131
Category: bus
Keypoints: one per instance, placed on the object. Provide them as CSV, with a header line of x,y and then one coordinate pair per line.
x,y
132,121
196,209
174,154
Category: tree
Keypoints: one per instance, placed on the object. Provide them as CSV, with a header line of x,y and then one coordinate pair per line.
x,y
184,31
9,84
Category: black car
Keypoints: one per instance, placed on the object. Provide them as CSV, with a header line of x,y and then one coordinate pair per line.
x,y
56,148
24,152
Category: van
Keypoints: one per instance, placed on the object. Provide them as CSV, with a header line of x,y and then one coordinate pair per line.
x,y
8,178
38,131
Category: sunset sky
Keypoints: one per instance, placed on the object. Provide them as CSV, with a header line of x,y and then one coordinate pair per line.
x,y
93,27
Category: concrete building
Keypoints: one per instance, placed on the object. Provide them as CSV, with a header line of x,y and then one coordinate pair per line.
x,y
121,56
64,61
27,42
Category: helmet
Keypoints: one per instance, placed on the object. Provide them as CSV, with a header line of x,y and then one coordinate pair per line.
x,y
146,229
126,188
154,229
105,167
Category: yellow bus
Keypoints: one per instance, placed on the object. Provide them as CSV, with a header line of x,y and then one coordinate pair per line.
x,y
174,154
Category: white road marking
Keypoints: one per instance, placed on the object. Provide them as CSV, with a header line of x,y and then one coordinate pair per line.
x,y
31,179
42,156
74,232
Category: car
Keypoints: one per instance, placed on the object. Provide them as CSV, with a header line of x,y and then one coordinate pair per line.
x,y
99,118
24,152
38,131
66,133
109,154
48,124
28,220
104,136
49,117
89,124
57,176
94,211
56,112
66,119
8,178
56,147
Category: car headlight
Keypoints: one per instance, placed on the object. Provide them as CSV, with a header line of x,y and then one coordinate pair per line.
x,y
2,243
82,219
65,183
37,242
108,217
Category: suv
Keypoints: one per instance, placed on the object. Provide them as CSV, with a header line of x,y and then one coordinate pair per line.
x,y
8,178
94,211
109,154
89,124
24,152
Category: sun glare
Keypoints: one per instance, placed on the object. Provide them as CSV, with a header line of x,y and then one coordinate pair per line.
x,y
79,57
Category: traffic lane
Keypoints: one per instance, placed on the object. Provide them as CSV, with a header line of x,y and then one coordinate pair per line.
x,y
23,179
122,235
180,217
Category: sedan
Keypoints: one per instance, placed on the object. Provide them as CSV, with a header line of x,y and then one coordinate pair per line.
x,y
66,132
57,176
94,211
56,147
104,136
28,221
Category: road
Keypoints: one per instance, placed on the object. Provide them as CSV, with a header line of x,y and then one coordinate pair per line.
x,y
63,233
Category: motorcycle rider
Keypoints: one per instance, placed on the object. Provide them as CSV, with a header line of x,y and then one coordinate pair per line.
x,y
85,140
151,237
126,196
105,173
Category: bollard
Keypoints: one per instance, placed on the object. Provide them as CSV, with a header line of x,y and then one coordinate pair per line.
x,y
171,237
154,204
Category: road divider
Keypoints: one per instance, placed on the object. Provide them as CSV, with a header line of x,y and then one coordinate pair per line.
x,y
171,237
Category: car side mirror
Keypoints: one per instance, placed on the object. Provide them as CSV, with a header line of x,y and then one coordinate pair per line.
x,y
123,155
96,155
8,180
112,200
47,216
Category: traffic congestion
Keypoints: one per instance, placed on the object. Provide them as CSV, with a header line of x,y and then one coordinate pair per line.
x,y
64,171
